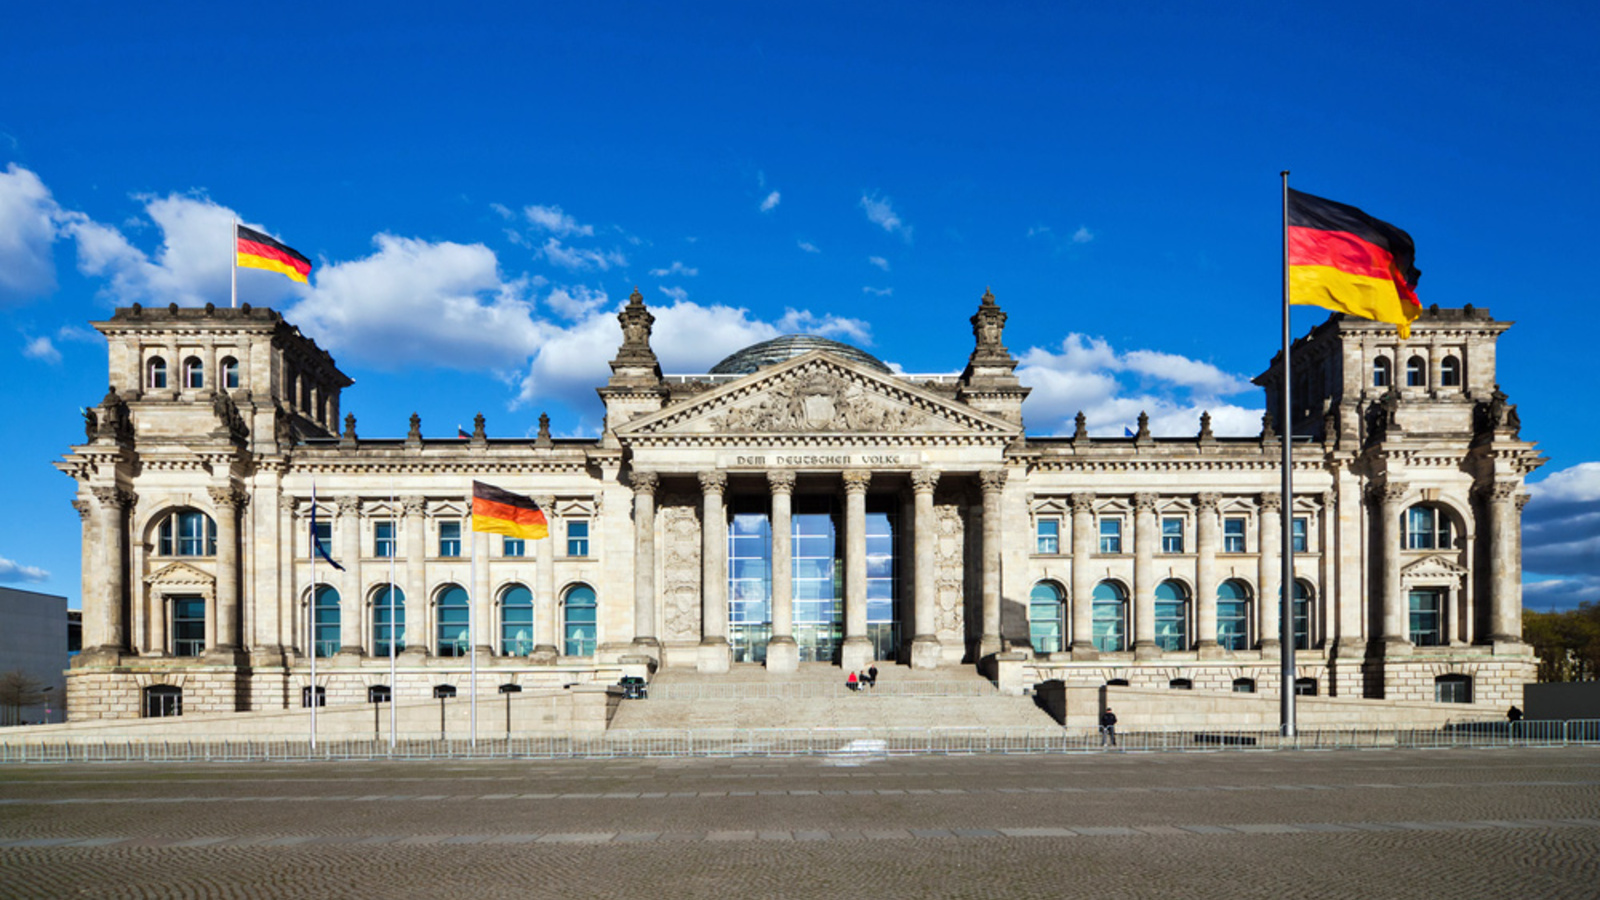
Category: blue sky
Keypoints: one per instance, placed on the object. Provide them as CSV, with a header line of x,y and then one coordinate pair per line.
x,y
480,187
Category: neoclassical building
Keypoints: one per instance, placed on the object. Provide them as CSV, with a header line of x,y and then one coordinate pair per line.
x,y
799,504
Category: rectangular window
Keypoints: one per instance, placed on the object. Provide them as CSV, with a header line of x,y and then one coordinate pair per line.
x,y
1232,535
577,537
1172,534
1427,608
513,547
449,538
1049,537
188,626
325,539
382,539
1300,531
1110,535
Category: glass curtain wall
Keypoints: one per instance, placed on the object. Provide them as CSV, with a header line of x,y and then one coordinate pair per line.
x,y
749,580
883,581
818,579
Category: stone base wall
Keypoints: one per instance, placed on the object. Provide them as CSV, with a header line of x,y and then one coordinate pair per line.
x,y
118,692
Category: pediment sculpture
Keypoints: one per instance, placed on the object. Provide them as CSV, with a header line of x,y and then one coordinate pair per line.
x,y
818,400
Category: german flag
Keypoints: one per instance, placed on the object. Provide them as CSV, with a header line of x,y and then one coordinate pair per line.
x,y
501,512
257,251
1342,259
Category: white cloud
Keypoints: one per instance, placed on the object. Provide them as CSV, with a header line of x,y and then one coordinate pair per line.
x,y
29,220
575,301
578,258
555,221
771,203
1083,235
881,213
1088,374
1555,594
42,349
879,261
877,292
677,268
678,294
809,247
413,302
16,573
502,210
795,321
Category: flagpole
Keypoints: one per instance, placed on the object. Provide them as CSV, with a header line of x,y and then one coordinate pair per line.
x,y
472,639
1286,551
394,688
311,614
233,265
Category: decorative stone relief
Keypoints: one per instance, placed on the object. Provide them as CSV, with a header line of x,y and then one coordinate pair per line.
x,y
679,545
818,400
949,573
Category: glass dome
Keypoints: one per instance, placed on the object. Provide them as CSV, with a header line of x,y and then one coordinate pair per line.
x,y
789,346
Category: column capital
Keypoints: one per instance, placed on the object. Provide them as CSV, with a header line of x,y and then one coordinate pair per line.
x,y
547,504
781,481
1082,501
414,506
1391,493
992,479
349,506
227,496
856,481
1498,492
713,482
1208,501
1145,501
923,481
289,503
84,508
1271,501
644,482
1522,501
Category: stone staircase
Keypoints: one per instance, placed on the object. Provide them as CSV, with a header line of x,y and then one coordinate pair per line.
x,y
816,697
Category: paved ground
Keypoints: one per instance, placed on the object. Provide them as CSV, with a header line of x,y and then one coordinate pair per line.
x,y
1390,824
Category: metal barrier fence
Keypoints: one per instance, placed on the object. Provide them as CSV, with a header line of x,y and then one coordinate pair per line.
x,y
827,743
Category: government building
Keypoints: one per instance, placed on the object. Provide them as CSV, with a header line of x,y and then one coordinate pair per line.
x,y
801,504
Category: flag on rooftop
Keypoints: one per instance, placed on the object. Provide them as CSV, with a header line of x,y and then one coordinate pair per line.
x,y
259,251
499,511
1342,259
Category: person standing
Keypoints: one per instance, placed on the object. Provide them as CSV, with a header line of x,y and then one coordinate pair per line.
x,y
1108,728
872,675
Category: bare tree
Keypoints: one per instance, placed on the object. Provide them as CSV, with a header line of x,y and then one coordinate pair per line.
x,y
18,690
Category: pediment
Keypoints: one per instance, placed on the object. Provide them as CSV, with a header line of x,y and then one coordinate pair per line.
x,y
818,394
180,575
1433,567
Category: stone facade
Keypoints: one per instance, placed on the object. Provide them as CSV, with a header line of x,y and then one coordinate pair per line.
x,y
811,507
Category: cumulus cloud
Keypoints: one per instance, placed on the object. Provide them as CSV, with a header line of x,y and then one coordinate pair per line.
x,y
1083,235
1561,527
677,268
796,321
580,258
1111,388
40,348
878,261
809,247
575,301
29,223
16,573
771,203
880,212
414,302
555,221
678,294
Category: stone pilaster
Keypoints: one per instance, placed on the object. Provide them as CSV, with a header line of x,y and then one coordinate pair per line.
x,y
1207,542
1504,507
1083,546
857,650
1270,575
1395,632
347,537
548,643
925,650
783,654
1146,535
415,582
226,500
644,564
993,482
104,624
715,655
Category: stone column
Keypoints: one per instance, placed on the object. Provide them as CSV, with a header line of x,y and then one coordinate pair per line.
x,y
1395,633
1270,575
415,579
857,651
547,640
480,601
1205,582
1146,535
715,655
783,654
925,650
644,563
347,527
1083,546
288,584
105,632
226,501
993,481
1504,509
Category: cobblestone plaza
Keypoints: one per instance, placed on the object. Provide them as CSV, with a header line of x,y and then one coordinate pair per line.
x,y
1394,824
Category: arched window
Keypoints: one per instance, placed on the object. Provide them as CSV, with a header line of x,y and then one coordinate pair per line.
x,y
1172,616
516,621
1450,372
1305,687
187,532
1452,689
1428,528
1244,685
325,616
194,374
453,615
162,700
1416,372
1233,615
578,609
1110,617
230,373
1181,684
388,620
157,373
1044,617
1381,372
1301,611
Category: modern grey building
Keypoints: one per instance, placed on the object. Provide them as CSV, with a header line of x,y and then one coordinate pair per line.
x,y
33,641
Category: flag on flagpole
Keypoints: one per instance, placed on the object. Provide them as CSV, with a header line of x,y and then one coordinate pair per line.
x,y
255,250
462,433
1342,259
316,545
499,511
